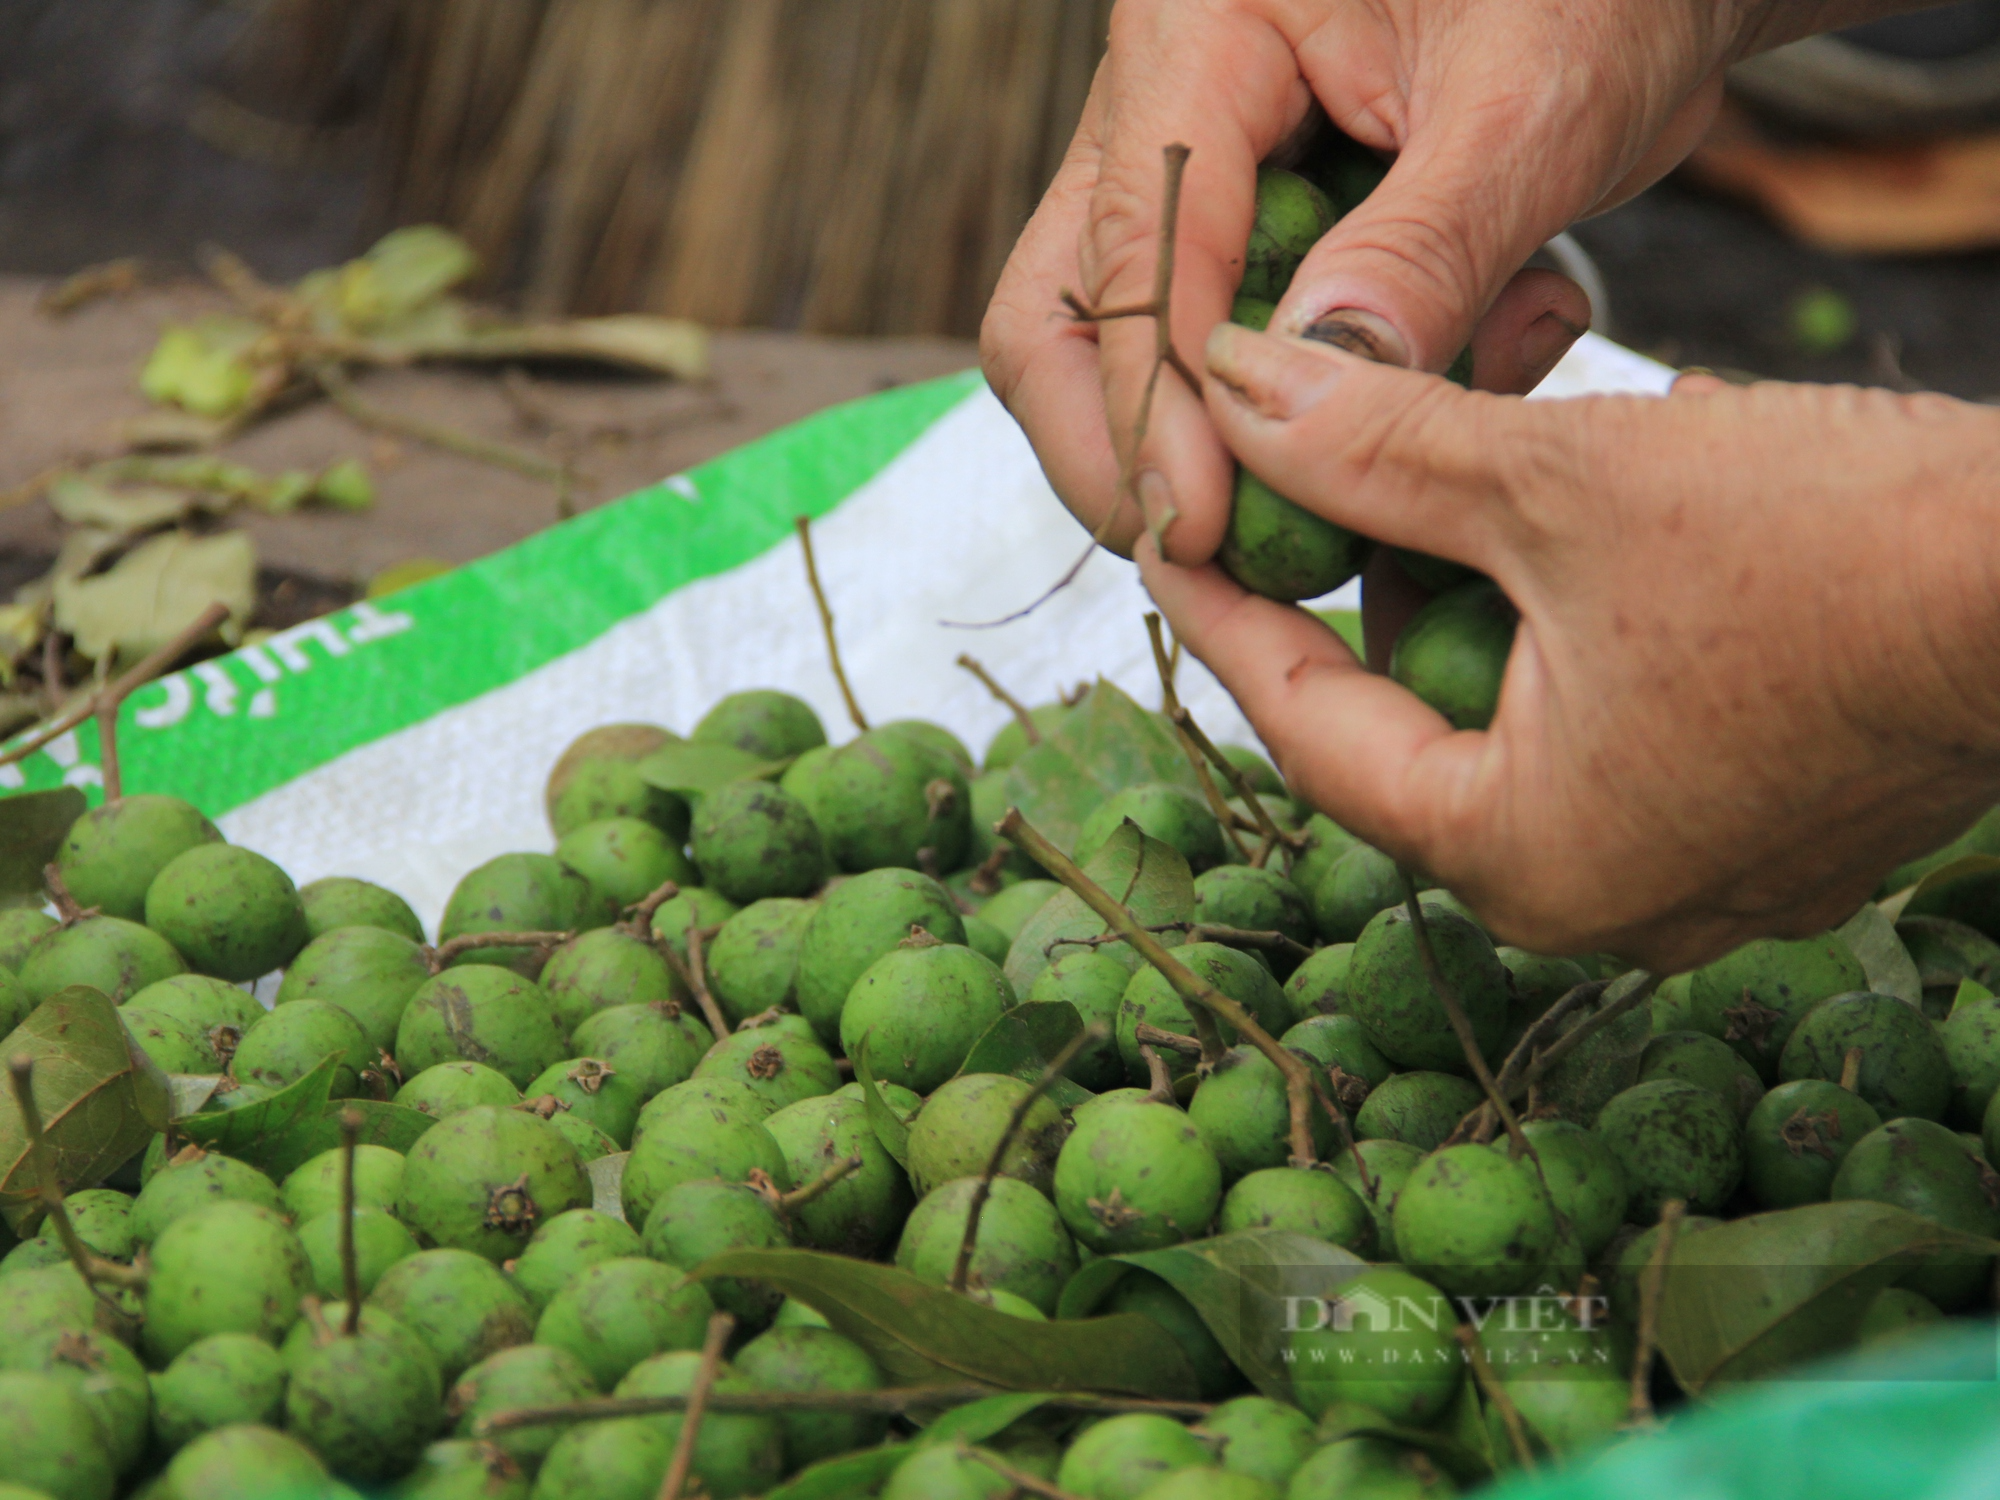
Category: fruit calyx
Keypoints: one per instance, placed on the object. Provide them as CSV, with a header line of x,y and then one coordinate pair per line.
x,y
511,1208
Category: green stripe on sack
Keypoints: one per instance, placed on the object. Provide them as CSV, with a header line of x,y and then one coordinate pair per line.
x,y
226,731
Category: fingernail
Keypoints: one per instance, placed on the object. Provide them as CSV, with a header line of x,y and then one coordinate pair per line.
x,y
1545,342
1277,378
1361,332
1156,503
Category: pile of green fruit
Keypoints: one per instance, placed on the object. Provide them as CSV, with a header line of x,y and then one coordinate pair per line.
x,y
775,1019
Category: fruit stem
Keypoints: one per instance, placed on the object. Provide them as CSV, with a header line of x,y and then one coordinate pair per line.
x,y
962,1267
1639,1410
640,913
1173,1041
890,1401
1536,1068
804,525
1159,1080
93,1269
693,972
350,1267
1496,1395
1461,1025
1245,937
1203,1000
1170,705
1479,1122
117,691
1014,705
1850,1069
65,904
440,957
676,1478
1022,1481
340,390
800,1197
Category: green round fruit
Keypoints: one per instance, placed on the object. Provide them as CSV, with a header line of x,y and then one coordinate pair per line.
x,y
521,893
1314,1203
113,852
725,1101
1137,1177
861,1214
1705,1061
955,1133
1325,842
1674,1140
754,960
1149,1296
1921,1166
245,1463
1291,215
814,1359
446,1088
724,1144
856,923
1254,900
594,1090
314,1188
762,721
1569,1385
988,941
1477,1222
227,911
1354,1065
887,796
16,1004
1120,1457
1258,1436
526,1375
1094,983
480,1013
1534,983
51,1439
618,1312
292,1040
1357,886
1753,997
778,1067
695,906
461,1305
380,1241
457,1470
109,954
1419,1109
173,1045
658,1045
566,1245
201,1001
1242,1112
1796,1138
603,969
1318,987
1582,1177
230,1267
1277,548
102,1219
1150,999
365,1404
735,1453
754,840
21,927
195,1181
218,1381
1384,1340
482,1179
1022,1246
695,1220
342,901
598,776
916,1012
1904,1068
625,858
1391,994
621,1459
1010,741
1172,814
1453,653
101,1370
1010,910
1971,1036
368,972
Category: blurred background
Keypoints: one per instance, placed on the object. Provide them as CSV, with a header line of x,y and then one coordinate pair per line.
x,y
828,187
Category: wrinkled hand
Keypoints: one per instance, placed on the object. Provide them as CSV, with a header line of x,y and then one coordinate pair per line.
x,y
1758,661
1510,119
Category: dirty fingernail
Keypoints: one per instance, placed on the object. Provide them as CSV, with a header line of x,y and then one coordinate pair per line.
x,y
1361,332
1277,378
1545,342
1156,503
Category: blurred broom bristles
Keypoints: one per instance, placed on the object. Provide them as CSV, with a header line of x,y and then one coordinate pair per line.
x,y
841,166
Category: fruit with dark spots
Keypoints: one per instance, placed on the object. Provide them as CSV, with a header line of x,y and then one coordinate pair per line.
x,y
859,921
526,1375
1174,815
480,1013
1453,653
774,1063
889,799
591,1089
1705,1061
955,1133
625,858
1094,983
1242,1111
1921,1166
446,1088
753,962
1674,1140
563,1247
342,901
618,1312
366,1403
1386,1343
754,840
112,853
482,1179
603,969
863,1212
1797,1137
110,954
814,1359
762,721
462,1306
230,1267
292,1040
917,1011
1754,996
521,893
1022,1247
598,776
1391,994
695,1220
222,1380
1904,1067
1477,1222
1308,1201
1419,1109
1151,1001
1137,1177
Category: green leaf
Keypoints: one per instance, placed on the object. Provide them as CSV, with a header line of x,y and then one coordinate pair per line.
x,y
1151,878
976,1421
156,591
1938,892
686,767
1238,1283
673,347
250,1134
32,826
396,1126
1871,937
607,1183
403,271
1760,1294
890,1128
1106,744
1982,837
1969,992
188,1092
920,1333
84,502
100,1097
1024,1041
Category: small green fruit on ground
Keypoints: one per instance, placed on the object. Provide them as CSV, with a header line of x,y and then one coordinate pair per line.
x,y
110,954
754,960
695,1220
857,923
1583,1177
460,1470
1172,814
482,1180
861,1214
229,912
1419,1109
917,1011
618,1312
527,1375
762,721
591,1089
1390,991
1705,1061
1797,1137
563,1247
1904,1067
1318,987
726,1144
245,1463
1384,1339
780,1068
342,901
1921,1166
1260,1437
187,1185
112,853
368,972
1137,1177
1095,984
942,1471
292,1040
1022,1248
1243,1113
1256,901
603,969
365,1403
1150,999
227,1268
1120,1457
448,1087
1311,1202
480,1013
1453,653
814,1359
218,1381
463,1307
1753,997
735,1453
1389,1165
960,1124
1477,1222
1674,1140
314,1188
521,893
886,796
380,1241
754,840
656,1045
622,1459
625,858
1354,1065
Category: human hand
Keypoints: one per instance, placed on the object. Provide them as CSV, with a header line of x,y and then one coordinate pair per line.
x,y
1758,662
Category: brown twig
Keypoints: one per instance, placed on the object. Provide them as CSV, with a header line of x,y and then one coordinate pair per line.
x,y
341,391
697,1406
1199,996
1170,705
1159,1080
962,1267
91,1267
697,978
639,915
889,1401
1850,1069
1014,705
350,1265
1526,1066
120,687
1022,1481
1172,1041
1652,1281
799,1197
440,958
1247,937
804,525
1496,1395
67,910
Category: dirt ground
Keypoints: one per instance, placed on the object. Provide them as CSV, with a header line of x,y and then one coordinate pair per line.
x,y
66,385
